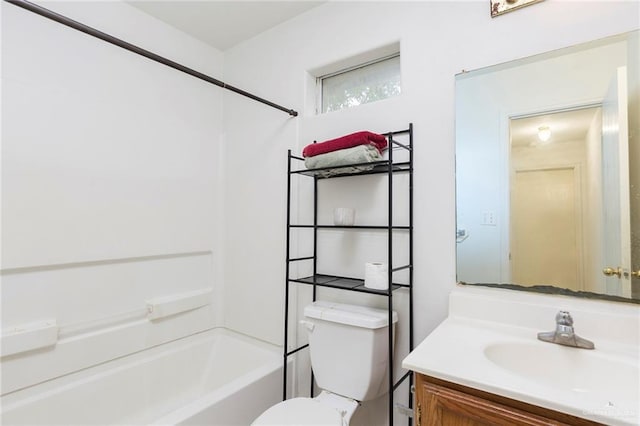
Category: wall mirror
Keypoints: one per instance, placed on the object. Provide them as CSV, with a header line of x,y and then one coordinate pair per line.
x,y
548,172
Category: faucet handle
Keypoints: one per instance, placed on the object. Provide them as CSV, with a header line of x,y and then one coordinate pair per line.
x,y
564,318
564,334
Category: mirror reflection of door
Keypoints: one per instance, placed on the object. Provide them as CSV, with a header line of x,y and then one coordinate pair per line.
x,y
616,247
546,224
556,199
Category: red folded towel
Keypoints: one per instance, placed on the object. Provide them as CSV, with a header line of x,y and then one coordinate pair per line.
x,y
348,141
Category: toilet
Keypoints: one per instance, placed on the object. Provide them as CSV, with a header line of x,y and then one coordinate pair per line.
x,y
348,346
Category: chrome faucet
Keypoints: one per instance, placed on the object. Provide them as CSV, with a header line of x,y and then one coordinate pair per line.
x,y
564,334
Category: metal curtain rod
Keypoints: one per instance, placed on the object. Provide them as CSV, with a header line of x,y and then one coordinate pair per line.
x,y
140,51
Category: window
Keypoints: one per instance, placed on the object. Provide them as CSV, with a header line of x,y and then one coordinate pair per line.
x,y
358,85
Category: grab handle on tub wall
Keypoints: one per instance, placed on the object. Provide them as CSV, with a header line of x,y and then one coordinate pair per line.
x,y
28,337
173,304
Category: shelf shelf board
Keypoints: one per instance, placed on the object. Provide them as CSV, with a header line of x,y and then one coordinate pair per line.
x,y
379,167
344,283
372,227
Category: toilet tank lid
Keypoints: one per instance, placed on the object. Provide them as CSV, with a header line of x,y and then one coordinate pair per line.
x,y
358,316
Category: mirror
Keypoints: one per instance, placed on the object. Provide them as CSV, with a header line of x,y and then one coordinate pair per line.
x,y
547,172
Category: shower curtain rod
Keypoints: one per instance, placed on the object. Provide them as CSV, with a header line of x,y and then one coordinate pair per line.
x,y
140,51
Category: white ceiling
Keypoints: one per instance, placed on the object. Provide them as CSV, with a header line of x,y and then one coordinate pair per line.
x,y
565,126
223,24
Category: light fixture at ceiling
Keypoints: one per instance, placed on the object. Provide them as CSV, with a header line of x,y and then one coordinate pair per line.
x,y
544,133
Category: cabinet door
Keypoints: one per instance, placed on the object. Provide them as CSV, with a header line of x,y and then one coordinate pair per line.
x,y
437,405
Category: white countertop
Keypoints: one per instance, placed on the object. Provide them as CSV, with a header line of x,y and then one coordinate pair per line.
x,y
576,381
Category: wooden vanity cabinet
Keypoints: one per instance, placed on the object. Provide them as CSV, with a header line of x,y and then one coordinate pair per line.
x,y
439,402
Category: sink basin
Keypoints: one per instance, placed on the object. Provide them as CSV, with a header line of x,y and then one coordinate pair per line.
x,y
569,369
488,342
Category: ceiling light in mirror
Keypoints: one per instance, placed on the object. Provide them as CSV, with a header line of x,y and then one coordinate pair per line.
x,y
544,133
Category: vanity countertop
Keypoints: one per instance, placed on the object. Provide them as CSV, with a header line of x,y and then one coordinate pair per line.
x,y
489,342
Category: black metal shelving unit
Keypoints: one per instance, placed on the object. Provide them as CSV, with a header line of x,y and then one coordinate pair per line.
x,y
388,168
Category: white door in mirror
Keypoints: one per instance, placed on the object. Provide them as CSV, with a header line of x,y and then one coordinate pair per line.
x,y
616,248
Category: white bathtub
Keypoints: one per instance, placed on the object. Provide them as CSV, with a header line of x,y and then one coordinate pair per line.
x,y
213,378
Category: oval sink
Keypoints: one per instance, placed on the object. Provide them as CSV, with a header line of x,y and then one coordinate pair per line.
x,y
566,368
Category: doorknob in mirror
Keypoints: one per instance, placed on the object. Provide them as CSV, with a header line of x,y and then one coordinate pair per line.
x,y
608,271
635,273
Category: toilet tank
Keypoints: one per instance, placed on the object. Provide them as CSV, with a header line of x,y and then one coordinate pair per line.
x,y
348,345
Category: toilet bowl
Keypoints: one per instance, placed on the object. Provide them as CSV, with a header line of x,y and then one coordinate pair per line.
x,y
326,409
348,348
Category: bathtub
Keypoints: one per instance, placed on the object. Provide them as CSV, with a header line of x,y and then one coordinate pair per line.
x,y
212,378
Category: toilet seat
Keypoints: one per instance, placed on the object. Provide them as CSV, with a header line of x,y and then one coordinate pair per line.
x,y
299,411
327,409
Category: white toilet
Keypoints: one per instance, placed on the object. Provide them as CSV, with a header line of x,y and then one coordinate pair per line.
x,y
348,346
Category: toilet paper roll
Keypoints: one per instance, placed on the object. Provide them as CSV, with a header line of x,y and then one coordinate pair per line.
x,y
376,275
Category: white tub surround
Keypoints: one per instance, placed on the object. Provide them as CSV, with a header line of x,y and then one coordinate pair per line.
x,y
489,342
44,352
216,377
108,201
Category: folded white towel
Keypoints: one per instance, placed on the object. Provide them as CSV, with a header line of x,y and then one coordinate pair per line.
x,y
344,157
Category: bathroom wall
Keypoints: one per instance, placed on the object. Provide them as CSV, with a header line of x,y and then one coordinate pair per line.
x,y
438,40
110,185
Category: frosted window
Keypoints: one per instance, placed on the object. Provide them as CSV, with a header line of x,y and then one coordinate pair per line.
x,y
368,83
